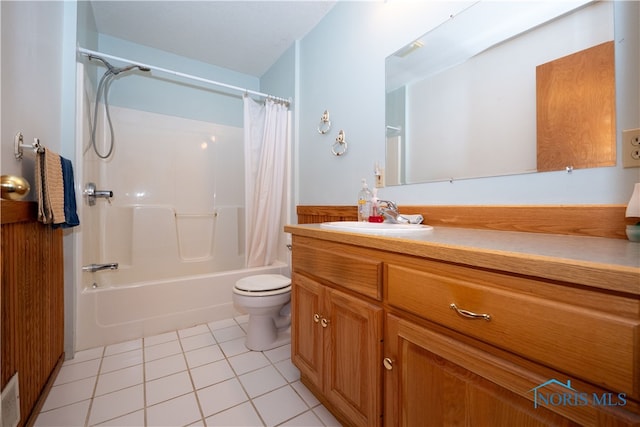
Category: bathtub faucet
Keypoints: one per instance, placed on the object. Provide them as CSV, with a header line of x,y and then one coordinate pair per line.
x,y
92,194
92,268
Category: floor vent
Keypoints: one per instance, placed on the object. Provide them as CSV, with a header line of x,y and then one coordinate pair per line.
x,y
11,403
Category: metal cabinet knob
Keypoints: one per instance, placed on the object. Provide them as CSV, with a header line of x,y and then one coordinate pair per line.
x,y
388,363
316,317
324,322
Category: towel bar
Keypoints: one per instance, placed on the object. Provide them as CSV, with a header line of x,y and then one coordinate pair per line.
x,y
18,146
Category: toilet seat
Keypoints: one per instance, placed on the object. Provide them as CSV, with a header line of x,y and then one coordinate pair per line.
x,y
263,285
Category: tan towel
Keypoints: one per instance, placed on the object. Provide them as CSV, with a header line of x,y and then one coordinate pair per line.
x,y
49,187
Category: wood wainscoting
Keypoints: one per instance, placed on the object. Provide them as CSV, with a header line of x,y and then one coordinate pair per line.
x,y
581,220
32,305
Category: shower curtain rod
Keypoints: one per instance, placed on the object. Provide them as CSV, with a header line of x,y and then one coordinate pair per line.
x,y
87,52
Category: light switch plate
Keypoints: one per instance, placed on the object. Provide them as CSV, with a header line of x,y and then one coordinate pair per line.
x,y
380,178
631,148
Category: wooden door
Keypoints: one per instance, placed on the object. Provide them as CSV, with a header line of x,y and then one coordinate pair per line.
x,y
576,110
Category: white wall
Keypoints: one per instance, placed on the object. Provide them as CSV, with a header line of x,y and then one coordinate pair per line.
x,y
38,87
31,80
342,70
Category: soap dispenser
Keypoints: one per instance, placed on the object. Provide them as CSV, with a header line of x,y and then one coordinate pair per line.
x,y
364,202
375,216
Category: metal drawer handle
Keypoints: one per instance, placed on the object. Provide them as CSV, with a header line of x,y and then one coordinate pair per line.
x,y
469,314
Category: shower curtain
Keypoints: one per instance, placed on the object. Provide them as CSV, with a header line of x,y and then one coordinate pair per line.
x,y
266,139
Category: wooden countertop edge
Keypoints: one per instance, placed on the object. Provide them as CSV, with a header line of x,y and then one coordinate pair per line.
x,y
604,276
17,211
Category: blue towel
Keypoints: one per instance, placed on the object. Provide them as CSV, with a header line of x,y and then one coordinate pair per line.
x,y
70,213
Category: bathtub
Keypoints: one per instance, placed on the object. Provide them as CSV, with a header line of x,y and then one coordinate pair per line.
x,y
117,313
175,227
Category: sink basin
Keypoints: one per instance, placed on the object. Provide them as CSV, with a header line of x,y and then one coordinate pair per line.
x,y
380,228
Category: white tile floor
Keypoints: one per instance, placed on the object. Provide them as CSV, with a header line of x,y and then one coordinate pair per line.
x,y
201,376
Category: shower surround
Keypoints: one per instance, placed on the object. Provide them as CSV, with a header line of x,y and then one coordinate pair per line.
x,y
175,224
178,204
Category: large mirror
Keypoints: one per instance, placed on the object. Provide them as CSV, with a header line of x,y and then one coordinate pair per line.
x,y
462,101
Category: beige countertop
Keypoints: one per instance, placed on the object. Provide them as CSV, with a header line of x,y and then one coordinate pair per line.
x,y
612,264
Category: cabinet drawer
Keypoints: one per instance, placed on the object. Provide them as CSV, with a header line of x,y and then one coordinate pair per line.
x,y
337,264
596,346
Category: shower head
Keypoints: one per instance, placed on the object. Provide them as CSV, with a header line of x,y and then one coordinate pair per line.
x,y
117,70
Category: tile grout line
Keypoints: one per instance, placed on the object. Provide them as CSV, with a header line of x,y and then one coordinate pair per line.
x,y
289,384
193,384
272,362
117,390
264,423
226,359
144,383
95,387
188,370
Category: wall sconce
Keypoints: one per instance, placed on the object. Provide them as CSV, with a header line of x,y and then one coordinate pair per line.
x,y
633,211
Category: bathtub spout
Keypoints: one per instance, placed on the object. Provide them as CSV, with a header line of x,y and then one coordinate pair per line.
x,y
92,268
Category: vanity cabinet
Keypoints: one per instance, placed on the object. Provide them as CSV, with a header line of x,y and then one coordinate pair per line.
x,y
337,332
553,324
467,344
470,337
433,379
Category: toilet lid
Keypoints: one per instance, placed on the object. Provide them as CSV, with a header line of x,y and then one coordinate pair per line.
x,y
263,282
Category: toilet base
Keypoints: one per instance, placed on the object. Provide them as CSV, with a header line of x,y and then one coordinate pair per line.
x,y
263,333
283,338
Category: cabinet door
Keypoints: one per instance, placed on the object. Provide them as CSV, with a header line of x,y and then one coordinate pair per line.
x,y
306,333
424,387
353,354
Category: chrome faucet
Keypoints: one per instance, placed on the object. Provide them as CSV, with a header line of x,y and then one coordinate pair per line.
x,y
91,193
389,211
92,268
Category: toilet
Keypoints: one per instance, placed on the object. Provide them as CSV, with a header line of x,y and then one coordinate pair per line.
x,y
266,298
